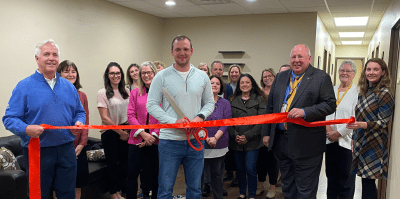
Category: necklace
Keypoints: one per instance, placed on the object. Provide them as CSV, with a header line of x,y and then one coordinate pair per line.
x,y
339,100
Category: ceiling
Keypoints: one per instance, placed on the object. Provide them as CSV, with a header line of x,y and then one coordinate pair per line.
x,y
327,9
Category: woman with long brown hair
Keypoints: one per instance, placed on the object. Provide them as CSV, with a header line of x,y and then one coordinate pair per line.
x,y
373,112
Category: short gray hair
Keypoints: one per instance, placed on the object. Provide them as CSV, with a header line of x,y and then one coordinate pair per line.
x,y
351,63
42,43
308,49
214,62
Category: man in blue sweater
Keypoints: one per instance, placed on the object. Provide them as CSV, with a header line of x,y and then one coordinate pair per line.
x,y
46,98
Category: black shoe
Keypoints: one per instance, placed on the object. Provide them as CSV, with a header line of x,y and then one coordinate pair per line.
x,y
241,197
206,191
224,192
228,176
235,183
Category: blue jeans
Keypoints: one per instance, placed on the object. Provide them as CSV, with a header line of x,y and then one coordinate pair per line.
x,y
171,154
246,162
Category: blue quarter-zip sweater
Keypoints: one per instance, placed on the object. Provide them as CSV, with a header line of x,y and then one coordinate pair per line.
x,y
34,102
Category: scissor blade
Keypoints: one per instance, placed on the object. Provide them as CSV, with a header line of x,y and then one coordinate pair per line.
x,y
173,103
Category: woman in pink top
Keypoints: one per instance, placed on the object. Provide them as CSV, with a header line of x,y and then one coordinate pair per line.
x,y
143,148
69,71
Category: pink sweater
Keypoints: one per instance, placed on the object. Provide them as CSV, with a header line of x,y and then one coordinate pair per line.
x,y
137,115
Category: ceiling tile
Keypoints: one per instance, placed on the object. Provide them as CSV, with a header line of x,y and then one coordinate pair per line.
x,y
226,9
308,9
302,3
161,3
268,11
263,4
192,11
348,2
148,8
351,9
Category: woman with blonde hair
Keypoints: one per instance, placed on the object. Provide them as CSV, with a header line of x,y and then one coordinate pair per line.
x,y
143,143
373,112
204,67
234,73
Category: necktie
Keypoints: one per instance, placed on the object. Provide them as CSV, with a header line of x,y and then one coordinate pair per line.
x,y
293,90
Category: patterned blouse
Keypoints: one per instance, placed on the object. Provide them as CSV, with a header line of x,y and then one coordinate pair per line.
x,y
370,157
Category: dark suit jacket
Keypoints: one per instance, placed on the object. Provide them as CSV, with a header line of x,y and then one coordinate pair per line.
x,y
228,91
316,97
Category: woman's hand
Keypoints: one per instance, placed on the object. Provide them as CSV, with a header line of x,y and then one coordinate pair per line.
x,y
147,137
357,125
212,141
78,149
123,135
333,136
241,139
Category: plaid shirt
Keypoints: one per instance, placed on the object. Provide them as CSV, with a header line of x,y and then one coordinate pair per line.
x,y
370,157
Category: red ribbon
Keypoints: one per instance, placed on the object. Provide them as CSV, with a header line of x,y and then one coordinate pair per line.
x,y
34,144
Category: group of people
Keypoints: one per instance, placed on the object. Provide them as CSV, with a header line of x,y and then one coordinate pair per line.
x,y
51,96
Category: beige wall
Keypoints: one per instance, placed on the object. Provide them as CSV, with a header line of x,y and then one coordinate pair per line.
x,y
90,33
323,41
382,38
266,39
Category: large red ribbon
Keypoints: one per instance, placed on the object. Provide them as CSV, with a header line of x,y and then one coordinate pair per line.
x,y
34,144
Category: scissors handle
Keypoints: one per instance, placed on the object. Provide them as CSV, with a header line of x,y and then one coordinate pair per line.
x,y
196,135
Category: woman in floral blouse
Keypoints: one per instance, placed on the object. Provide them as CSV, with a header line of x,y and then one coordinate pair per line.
x,y
373,111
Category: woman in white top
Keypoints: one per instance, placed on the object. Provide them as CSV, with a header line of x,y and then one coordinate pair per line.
x,y
112,103
338,155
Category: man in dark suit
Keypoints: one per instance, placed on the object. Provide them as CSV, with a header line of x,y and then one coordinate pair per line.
x,y
305,92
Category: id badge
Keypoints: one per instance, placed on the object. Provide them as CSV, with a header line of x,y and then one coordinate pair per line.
x,y
284,106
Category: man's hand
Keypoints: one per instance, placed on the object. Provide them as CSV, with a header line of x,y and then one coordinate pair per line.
x,y
266,140
78,149
197,119
333,136
77,131
34,131
295,113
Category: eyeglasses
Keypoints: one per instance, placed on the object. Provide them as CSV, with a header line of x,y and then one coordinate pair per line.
x,y
147,73
114,74
345,71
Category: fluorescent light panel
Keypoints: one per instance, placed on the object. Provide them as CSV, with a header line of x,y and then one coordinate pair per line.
x,y
351,21
351,34
170,3
351,42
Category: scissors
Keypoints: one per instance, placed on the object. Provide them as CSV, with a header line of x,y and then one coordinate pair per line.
x,y
182,116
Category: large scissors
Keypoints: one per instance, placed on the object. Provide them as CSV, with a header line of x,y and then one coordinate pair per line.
x,y
181,115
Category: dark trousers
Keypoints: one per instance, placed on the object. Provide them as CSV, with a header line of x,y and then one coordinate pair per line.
x,y
299,177
215,168
230,163
116,152
57,168
267,165
368,189
338,161
143,161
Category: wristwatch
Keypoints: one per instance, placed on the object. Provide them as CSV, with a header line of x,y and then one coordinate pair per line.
x,y
201,116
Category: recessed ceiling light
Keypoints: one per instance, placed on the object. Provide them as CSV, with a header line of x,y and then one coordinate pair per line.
x,y
351,34
351,21
170,3
351,42
251,0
